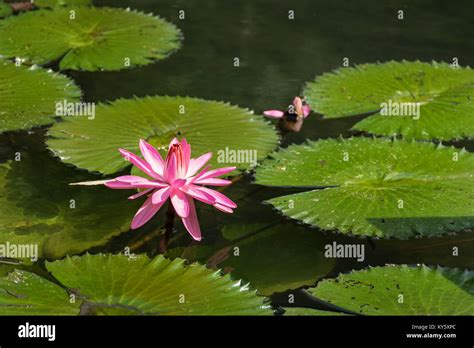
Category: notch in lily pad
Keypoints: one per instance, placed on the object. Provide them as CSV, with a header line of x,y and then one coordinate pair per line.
x,y
88,38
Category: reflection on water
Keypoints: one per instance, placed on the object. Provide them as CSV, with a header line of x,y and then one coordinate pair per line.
x,y
278,56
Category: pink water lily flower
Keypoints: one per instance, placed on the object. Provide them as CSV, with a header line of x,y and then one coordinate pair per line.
x,y
176,178
299,109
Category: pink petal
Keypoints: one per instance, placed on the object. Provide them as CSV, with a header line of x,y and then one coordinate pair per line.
x,y
89,183
219,197
139,194
177,183
201,173
298,103
196,163
161,195
132,181
145,213
214,173
213,182
138,180
174,141
194,192
118,185
171,169
129,178
191,222
274,113
152,156
140,164
180,203
306,110
223,208
186,152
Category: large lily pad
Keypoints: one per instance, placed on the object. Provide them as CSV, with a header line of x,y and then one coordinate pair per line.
x,y
88,38
300,311
39,207
117,285
5,268
207,125
375,187
445,94
59,3
28,96
401,290
25,293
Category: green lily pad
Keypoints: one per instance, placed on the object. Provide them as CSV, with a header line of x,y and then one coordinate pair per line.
x,y
375,187
28,96
60,3
38,207
5,268
401,290
25,293
117,285
207,125
5,9
445,95
88,38
278,259
300,311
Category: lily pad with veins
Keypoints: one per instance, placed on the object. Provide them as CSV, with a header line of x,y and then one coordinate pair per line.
x,y
59,3
28,95
209,126
116,285
374,187
445,95
401,290
301,311
39,207
88,38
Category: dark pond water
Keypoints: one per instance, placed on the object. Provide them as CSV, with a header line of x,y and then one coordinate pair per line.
x,y
277,57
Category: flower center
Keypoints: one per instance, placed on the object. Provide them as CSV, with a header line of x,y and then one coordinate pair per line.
x,y
177,151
